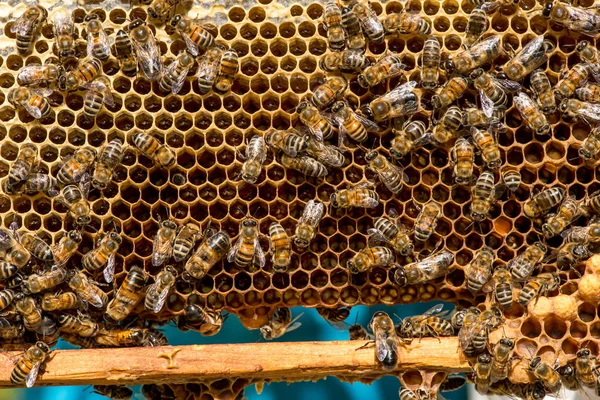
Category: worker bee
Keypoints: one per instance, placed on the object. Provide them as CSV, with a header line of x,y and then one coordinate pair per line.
x,y
21,168
14,252
328,155
281,247
97,41
483,372
400,101
589,112
567,213
591,56
207,322
256,154
351,124
389,174
110,157
325,94
476,26
34,183
487,144
35,283
446,129
33,100
150,147
394,234
75,167
120,337
502,354
60,301
196,37
479,270
567,376
187,236
484,195
386,339
450,92
546,374
163,9
388,66
531,56
541,86
404,139
129,294
332,19
335,316
288,141
230,65
571,253
351,24
75,199
523,265
432,267
308,223
320,124
98,93
64,34
7,296
430,60
481,53
589,93
36,247
473,338
573,18
347,60
115,392
39,75
86,71
463,158
573,78
408,394
586,367
405,23
583,234
358,332
427,220
538,286
27,26
162,245
11,330
103,254
78,325
430,323
246,251
30,312
511,178
590,205
369,258
542,202
369,21
492,91
473,116
146,49
87,290
280,323
212,250
27,369
208,68
153,338
304,164
355,196
124,52
157,293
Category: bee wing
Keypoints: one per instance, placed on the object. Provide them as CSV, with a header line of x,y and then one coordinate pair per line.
x,y
433,310
148,54
342,137
28,70
377,237
581,20
253,152
90,45
382,346
368,124
490,6
487,105
508,85
62,21
313,212
590,112
162,298
259,254
22,25
339,325
594,69
424,140
103,39
465,334
330,157
109,271
498,191
329,117
531,48
399,91
95,300
192,47
33,374
34,111
293,325
234,250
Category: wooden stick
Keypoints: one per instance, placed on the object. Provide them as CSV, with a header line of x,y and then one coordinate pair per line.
x,y
274,361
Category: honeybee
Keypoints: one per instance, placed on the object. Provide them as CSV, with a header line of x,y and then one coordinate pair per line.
x,y
34,183
589,92
162,245
481,53
36,247
427,220
308,223
115,392
573,18
355,196
351,124
583,234
212,250
351,24
571,253
281,247
157,293
404,140
64,33
163,9
87,70
246,251
542,202
492,91
280,323
14,252
7,296
473,116
60,301
487,144
98,93
39,75
320,124
207,322
573,78
408,394
325,94
502,354
35,283
124,52
187,236
75,167
388,66
430,268
33,100
549,377
230,65
395,234
120,337
586,367
256,154
75,199
531,56
30,312
103,254
476,26
369,258
288,141
430,323
150,147
590,205
430,60
511,178
589,112
304,164
389,174
473,338
27,26
347,60
328,155
386,339
591,56
358,332
450,92
146,49
208,68
567,213
28,367
129,294
400,101
541,86
21,168
154,338
332,19
406,23
538,286
78,325
110,157
463,158
523,265
369,21
10,331
88,291
479,270
484,194
49,332
335,316
97,41
196,37
483,372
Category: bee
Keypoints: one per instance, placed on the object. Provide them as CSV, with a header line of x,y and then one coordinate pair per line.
x,y
389,174
476,26
110,157
124,52
208,68
511,177
369,258
463,158
27,369
406,23
86,71
319,124
146,49
483,372
355,196
115,392
129,294
173,77
347,60
308,223
549,377
35,283
39,75
60,301
481,53
230,65
445,130
583,234
589,112
571,253
304,164
473,116
87,290
450,92
388,66
400,101
21,168
484,195
163,9
49,332
212,250
408,394
75,167
589,92
351,124
541,86
162,245
281,247
157,293
369,21
154,338
567,376
327,155
30,312
432,267
358,332
34,101
256,154
479,270
150,147
590,205
280,323
573,18
492,91
432,54
396,235
351,24
542,202
10,331
207,322
386,339
103,254
431,323
36,247
81,325
404,139
14,252
573,78
247,251
27,26
538,286
427,220
531,56
187,236
97,41
75,199
586,368
289,141
34,183
567,213
324,95
64,33
590,55
332,19
98,93
473,338
7,296
523,265
487,144
335,316
120,337
196,37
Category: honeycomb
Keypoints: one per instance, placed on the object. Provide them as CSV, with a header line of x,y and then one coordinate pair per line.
x,y
280,45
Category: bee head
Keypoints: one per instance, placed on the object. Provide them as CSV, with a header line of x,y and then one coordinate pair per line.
x,y
137,22
535,362
333,200
42,346
583,353
84,220
153,13
400,276
581,46
301,107
547,9
371,155
267,332
91,17
484,358
98,184
408,250
174,21
584,154
338,106
362,81
508,342
564,105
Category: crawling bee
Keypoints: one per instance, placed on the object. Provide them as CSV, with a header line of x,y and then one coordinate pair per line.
x,y
590,205
571,253
288,141
369,258
34,183
450,92
86,71
541,203
196,37
14,252
531,114
511,177
404,139
473,116
586,367
388,66
573,18
280,323
87,290
115,392
60,301
157,293
356,196
481,53
320,124
396,235
479,270
173,76
483,371
476,26
246,251
120,337
152,148
75,199
487,144
502,355
324,95
98,93
146,49
128,296
531,56
591,56
81,325
332,19
523,265
308,223
538,286
401,101
27,26
369,21
103,254
427,220
7,296
207,322
572,79
386,339
110,157
27,369
446,129
123,50
230,65
566,214
304,164
583,234
430,60
389,174
351,24
65,34
430,323
212,250
541,86
328,155
492,91
28,308
406,23
281,247
335,316
576,109
589,92
75,167
347,60
33,100
351,124
35,283
163,9
7,270
256,154
546,374
162,246
97,41
208,68
432,267
473,338
187,236
39,75
463,158
21,168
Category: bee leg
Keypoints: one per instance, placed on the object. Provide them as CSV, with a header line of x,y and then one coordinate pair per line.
x,y
368,344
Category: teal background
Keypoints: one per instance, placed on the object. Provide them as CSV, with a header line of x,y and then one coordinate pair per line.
x,y
313,328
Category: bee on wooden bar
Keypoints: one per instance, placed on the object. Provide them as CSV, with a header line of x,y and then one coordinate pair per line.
x,y
430,323
386,339
279,324
27,368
